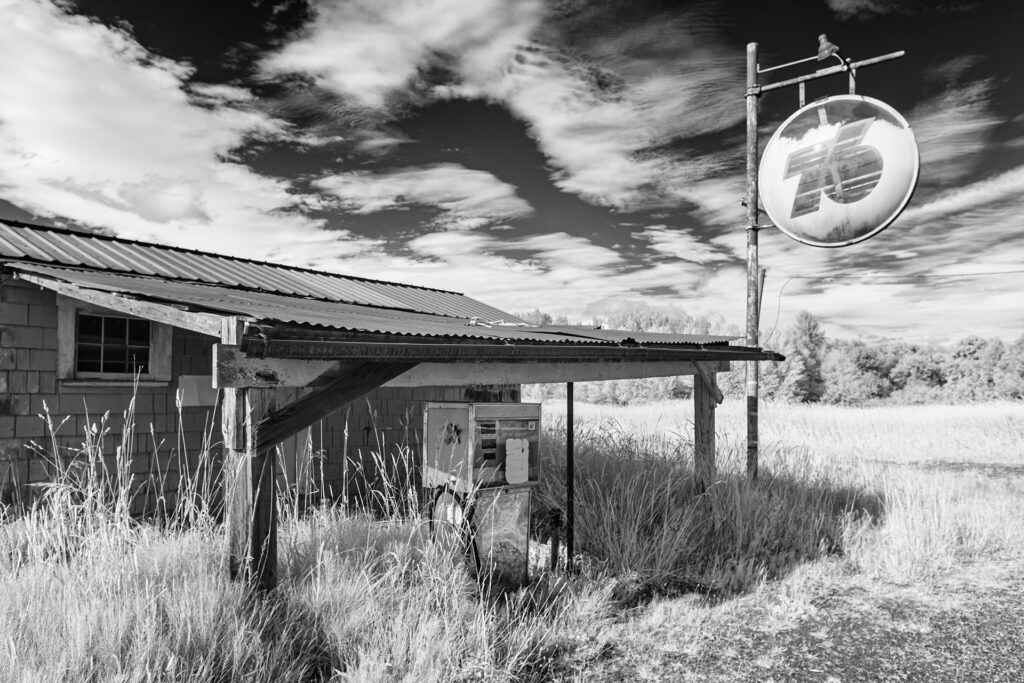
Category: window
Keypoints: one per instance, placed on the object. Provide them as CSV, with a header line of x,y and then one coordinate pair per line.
x,y
101,345
112,344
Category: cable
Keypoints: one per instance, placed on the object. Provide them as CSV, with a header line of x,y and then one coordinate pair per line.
x,y
869,276
778,309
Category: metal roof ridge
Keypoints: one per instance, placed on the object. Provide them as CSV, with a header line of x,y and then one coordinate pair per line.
x,y
197,252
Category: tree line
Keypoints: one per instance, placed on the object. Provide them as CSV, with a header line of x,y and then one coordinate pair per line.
x,y
818,369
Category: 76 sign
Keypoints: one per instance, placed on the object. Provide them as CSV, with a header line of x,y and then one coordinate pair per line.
x,y
838,171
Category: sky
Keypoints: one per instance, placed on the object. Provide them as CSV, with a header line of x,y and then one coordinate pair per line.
x,y
578,157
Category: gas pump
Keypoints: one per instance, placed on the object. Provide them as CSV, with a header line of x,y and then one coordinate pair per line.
x,y
480,464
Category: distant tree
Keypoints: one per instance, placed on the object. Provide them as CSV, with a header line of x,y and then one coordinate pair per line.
x,y
536,317
917,366
973,367
806,347
853,374
1009,374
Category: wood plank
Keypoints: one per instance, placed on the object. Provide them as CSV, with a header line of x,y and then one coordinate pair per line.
x,y
204,323
703,432
316,405
449,351
251,510
263,484
232,368
233,404
707,373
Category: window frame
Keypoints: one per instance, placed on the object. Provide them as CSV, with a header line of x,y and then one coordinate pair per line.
x,y
159,370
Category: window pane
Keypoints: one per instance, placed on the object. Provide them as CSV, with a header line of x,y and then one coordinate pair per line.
x,y
138,333
138,359
115,330
115,358
90,329
88,358
112,344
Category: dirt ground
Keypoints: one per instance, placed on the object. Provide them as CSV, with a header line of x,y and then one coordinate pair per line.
x,y
829,626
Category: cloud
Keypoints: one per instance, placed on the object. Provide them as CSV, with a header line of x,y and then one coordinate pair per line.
x,y
556,272
368,50
601,114
605,143
469,197
96,130
683,245
1005,187
952,130
863,9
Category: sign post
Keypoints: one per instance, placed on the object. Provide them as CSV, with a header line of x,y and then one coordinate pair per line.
x,y
837,164
753,290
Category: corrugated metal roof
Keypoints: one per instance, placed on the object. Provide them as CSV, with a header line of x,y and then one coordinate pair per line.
x,y
20,242
626,336
272,308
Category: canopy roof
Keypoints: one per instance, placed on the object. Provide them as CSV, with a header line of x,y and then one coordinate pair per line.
x,y
300,313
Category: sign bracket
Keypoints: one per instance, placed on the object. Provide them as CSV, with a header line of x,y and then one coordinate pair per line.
x,y
754,278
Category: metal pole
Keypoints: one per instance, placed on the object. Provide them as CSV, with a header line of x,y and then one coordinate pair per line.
x,y
752,265
570,517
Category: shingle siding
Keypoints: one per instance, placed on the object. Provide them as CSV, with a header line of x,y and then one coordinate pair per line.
x,y
164,441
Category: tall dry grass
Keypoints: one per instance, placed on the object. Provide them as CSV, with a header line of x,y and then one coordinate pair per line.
x,y
901,492
90,592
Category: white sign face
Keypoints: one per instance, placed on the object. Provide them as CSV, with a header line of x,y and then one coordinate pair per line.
x,y
838,171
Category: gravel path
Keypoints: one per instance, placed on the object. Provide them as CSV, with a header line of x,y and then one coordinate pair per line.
x,y
968,627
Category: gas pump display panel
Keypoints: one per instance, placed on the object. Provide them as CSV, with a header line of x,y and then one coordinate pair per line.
x,y
481,444
506,445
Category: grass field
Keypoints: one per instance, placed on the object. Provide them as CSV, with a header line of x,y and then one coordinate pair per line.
x,y
855,508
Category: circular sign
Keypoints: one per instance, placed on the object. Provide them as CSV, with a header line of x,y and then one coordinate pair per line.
x,y
838,171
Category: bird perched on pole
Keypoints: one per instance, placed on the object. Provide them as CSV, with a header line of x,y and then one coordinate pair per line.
x,y
826,48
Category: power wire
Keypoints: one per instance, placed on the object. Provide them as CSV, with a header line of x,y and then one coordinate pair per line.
x,y
868,276
778,309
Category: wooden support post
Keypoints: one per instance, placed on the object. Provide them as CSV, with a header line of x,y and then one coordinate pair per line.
x,y
252,429
570,478
250,481
704,402
251,492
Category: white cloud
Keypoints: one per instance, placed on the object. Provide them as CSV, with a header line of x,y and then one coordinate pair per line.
x,y
470,197
862,9
1007,186
96,130
370,49
598,140
951,131
372,53
683,245
556,272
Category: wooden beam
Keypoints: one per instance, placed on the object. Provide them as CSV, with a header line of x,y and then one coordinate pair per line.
x,y
707,374
341,391
204,323
232,368
703,432
250,493
456,351
249,482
